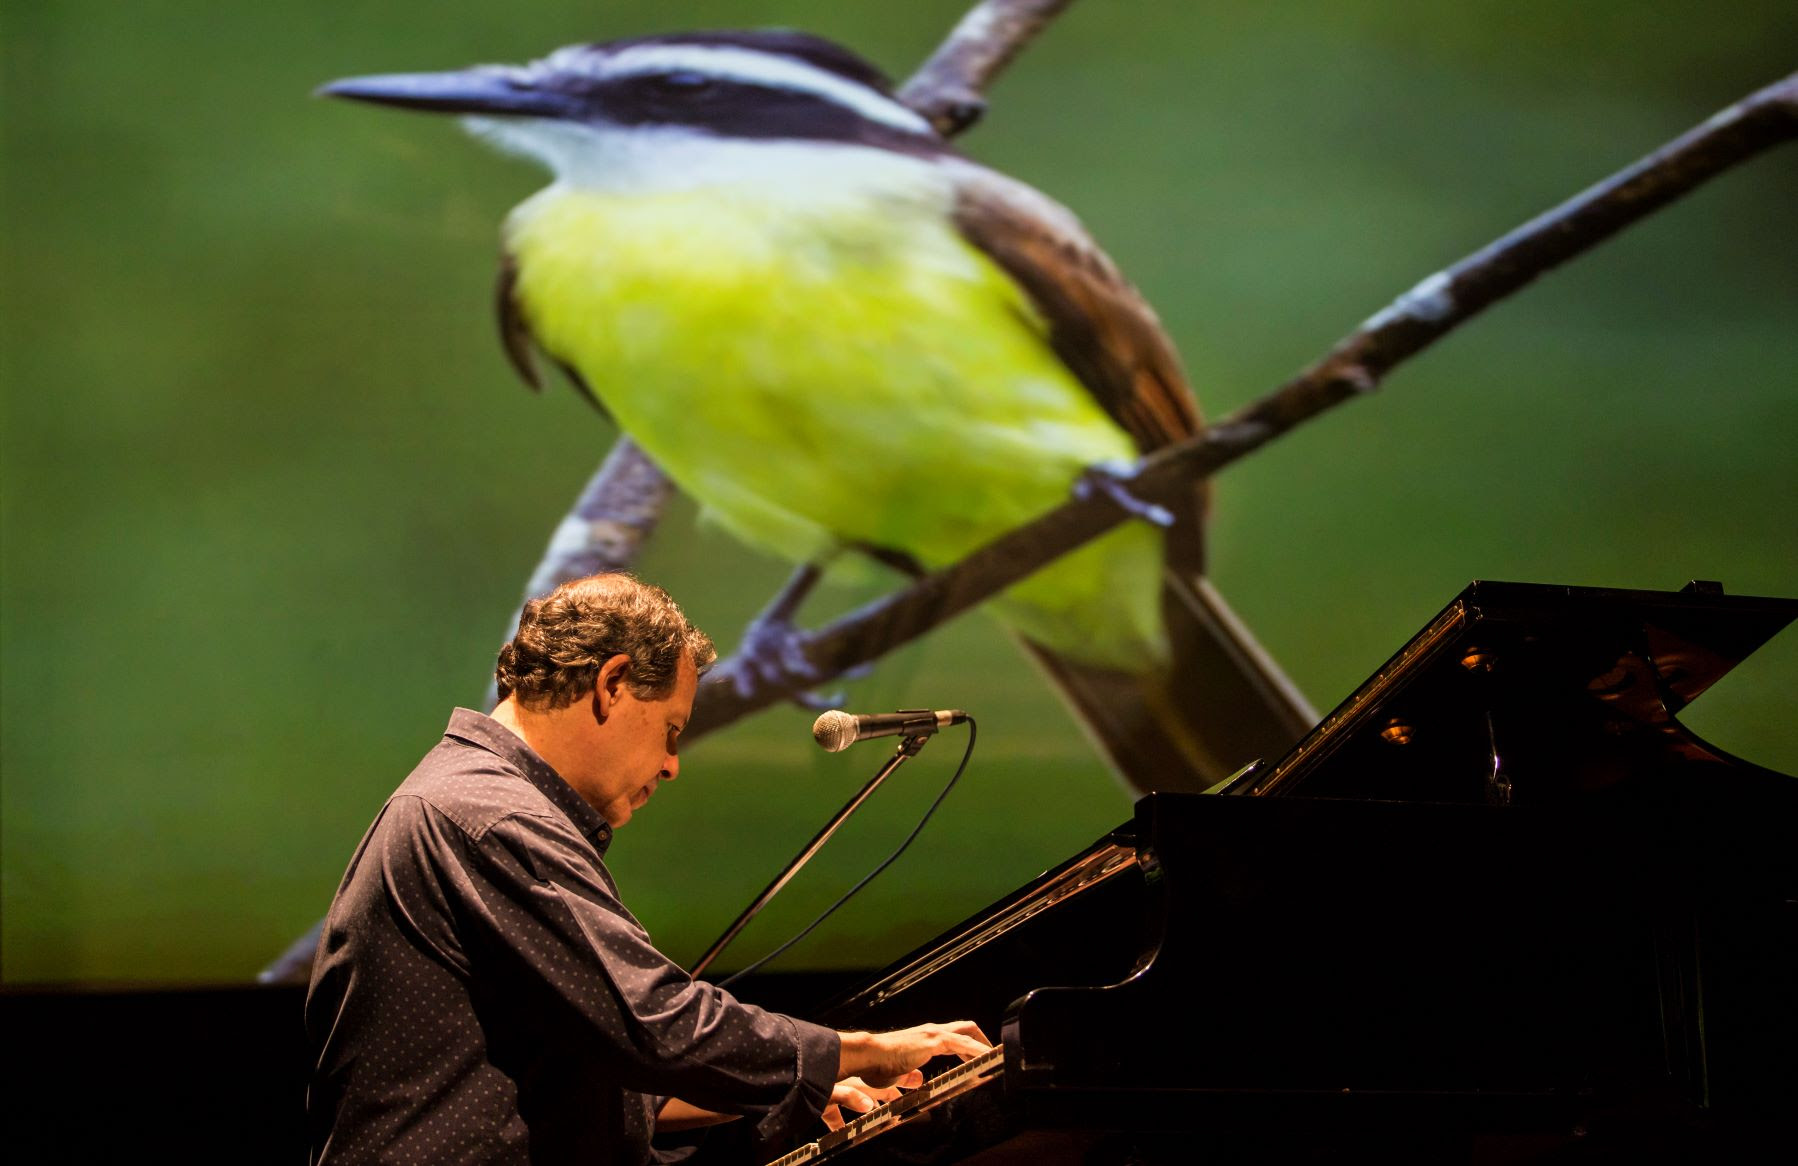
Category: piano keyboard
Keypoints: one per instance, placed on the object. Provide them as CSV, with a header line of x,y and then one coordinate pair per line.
x,y
947,1084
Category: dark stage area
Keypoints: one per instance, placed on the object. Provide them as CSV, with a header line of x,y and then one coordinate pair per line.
x,y
210,1074
184,1074
217,1074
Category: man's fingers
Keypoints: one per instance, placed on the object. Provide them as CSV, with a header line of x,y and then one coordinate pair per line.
x,y
969,1028
885,1093
963,1038
844,1095
856,1097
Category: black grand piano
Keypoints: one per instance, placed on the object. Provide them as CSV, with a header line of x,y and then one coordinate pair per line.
x,y
1499,906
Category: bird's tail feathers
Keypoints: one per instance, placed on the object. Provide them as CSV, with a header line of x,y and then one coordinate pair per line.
x,y
1219,703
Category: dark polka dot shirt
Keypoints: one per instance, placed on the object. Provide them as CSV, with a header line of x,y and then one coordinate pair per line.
x,y
482,995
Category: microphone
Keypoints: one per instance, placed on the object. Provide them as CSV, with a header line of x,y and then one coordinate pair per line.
x,y
836,730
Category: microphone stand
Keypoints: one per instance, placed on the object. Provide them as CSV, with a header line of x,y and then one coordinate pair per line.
x,y
908,748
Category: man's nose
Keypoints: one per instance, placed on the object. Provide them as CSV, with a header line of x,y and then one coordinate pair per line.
x,y
670,767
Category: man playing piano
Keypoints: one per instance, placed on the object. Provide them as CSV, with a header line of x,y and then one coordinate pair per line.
x,y
480,992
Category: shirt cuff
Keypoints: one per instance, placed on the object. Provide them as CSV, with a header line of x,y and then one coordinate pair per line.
x,y
819,1051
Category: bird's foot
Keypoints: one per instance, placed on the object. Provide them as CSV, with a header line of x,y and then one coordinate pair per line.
x,y
772,652
1112,481
772,655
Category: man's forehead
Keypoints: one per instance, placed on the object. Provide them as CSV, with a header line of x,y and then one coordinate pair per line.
x,y
686,687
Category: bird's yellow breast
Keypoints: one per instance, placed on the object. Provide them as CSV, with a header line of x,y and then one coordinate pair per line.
x,y
835,371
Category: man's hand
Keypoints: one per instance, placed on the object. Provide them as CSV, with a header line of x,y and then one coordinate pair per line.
x,y
890,1059
857,1096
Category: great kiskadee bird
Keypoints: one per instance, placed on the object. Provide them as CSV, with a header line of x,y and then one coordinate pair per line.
x,y
833,331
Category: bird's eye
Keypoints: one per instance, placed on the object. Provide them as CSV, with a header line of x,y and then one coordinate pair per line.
x,y
684,81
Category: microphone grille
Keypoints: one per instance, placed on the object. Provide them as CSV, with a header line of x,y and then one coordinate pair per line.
x,y
834,730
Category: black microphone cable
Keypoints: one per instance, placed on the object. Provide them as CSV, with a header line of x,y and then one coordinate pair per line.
x,y
871,875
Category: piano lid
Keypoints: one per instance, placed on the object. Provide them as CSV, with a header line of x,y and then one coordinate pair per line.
x,y
1525,691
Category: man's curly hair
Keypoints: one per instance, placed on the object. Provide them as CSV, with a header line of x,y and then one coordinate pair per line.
x,y
564,637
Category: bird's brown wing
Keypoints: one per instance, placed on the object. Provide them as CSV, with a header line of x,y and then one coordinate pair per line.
x,y
1221,700
1099,326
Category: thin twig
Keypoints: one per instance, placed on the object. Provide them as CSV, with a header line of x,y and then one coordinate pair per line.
x,y
1354,367
948,88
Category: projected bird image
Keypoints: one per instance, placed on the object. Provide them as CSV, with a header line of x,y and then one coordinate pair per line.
x,y
839,335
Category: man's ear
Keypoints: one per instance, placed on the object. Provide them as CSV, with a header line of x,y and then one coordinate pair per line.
x,y
609,684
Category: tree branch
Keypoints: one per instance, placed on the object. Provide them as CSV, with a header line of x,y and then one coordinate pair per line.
x,y
1353,367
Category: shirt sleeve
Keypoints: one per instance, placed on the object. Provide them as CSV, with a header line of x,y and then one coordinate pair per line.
x,y
543,904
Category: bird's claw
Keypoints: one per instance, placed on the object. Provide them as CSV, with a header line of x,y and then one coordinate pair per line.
x,y
1112,481
772,655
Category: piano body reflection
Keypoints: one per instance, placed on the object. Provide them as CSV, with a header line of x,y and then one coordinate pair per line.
x,y
1499,906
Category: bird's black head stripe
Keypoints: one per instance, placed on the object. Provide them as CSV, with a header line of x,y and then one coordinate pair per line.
x,y
743,110
726,106
815,51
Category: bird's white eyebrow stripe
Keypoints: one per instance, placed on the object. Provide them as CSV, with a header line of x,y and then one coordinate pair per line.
x,y
757,68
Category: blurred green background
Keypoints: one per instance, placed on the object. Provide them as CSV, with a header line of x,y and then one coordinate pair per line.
x,y
271,492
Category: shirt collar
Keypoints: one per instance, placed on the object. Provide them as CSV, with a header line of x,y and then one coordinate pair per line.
x,y
484,732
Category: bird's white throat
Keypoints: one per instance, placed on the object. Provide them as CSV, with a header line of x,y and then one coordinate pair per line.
x,y
612,159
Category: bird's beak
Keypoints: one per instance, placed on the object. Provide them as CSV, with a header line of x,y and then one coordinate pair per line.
x,y
478,91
